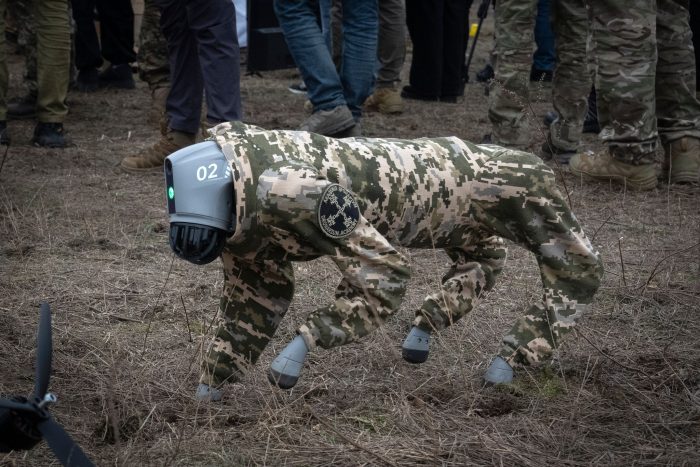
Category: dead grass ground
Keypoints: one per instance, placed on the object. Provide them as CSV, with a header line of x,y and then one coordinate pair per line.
x,y
130,323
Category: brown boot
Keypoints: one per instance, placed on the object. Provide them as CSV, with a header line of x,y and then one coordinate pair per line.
x,y
385,100
158,98
682,160
604,167
151,159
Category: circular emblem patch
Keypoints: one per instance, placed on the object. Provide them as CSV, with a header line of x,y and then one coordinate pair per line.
x,y
338,212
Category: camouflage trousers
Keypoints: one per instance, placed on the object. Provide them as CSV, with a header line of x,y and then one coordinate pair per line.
x,y
153,49
509,94
514,196
572,82
646,75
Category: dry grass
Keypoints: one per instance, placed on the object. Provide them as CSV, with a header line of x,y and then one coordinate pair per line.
x,y
624,390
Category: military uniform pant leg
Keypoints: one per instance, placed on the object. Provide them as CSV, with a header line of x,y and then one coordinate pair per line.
x,y
515,196
571,79
53,59
254,301
509,90
4,76
474,270
153,49
391,44
625,41
677,108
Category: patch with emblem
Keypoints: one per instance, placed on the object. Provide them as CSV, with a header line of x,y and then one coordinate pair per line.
x,y
338,212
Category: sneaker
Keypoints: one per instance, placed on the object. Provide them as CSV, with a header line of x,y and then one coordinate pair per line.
x,y
4,135
329,122
117,76
486,74
385,100
298,88
499,372
87,80
286,367
49,135
602,166
682,159
22,107
549,151
151,159
352,132
537,75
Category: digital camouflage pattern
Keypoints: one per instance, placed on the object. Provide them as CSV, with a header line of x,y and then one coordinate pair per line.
x,y
425,193
646,74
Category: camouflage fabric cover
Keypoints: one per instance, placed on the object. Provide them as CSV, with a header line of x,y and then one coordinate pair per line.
x,y
424,193
154,68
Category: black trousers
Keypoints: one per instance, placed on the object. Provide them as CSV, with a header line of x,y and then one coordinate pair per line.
x,y
116,32
695,27
204,55
438,31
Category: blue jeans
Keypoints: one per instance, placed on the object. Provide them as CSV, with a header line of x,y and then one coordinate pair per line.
x,y
544,57
328,88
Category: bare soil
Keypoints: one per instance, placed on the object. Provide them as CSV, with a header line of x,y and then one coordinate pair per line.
x,y
130,322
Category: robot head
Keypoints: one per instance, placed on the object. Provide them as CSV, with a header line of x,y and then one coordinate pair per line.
x,y
200,197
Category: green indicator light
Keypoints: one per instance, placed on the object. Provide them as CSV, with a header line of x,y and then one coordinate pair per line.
x,y
171,192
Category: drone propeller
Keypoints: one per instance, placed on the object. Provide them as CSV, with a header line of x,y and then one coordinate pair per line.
x,y
43,352
23,422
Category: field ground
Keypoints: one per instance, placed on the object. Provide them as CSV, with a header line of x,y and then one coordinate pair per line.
x,y
130,323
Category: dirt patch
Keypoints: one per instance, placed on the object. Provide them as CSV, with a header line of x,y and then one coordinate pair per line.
x,y
130,323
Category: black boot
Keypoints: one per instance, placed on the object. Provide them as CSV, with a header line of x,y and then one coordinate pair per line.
x,y
49,135
4,136
117,76
22,107
87,80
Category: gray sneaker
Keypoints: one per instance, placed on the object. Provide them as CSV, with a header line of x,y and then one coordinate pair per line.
x,y
329,122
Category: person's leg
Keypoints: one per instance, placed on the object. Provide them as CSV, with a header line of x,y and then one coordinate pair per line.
x,y
677,108
308,47
153,49
87,46
515,196
509,90
694,9
117,31
214,24
424,21
544,59
455,31
626,51
53,59
360,25
391,45
184,103
571,80
4,76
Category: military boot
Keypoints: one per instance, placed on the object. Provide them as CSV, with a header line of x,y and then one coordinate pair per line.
x,y
151,159
386,100
602,166
682,160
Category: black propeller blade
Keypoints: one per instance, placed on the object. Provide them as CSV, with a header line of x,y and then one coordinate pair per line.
x,y
67,452
43,352
24,422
